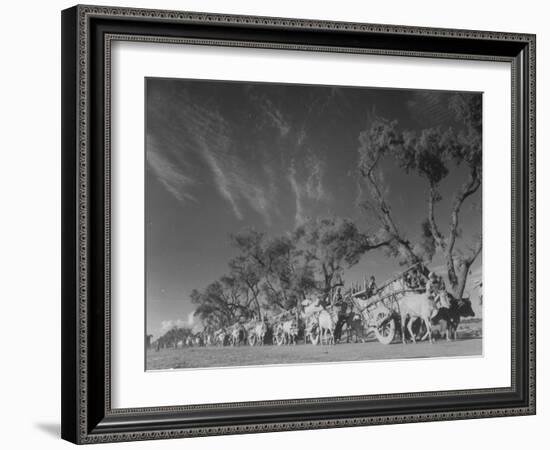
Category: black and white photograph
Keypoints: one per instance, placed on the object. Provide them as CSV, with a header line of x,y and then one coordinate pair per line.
x,y
295,224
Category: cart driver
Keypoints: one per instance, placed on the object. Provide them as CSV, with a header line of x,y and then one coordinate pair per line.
x,y
337,299
342,313
413,279
371,287
434,287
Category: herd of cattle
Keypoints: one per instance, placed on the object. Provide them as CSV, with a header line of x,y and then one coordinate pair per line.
x,y
417,318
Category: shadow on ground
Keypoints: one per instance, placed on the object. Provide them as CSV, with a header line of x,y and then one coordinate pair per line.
x,y
53,429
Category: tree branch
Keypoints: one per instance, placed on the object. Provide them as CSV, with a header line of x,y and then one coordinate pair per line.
x,y
438,236
378,244
469,188
386,213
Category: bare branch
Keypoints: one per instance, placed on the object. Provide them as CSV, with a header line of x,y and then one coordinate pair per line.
x,y
438,236
386,217
469,188
379,244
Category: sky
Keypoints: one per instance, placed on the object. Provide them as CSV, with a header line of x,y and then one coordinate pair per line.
x,y
222,156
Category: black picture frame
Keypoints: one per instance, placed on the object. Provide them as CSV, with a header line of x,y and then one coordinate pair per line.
x,y
87,32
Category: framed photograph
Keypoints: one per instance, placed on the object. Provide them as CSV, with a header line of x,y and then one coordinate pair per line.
x,y
279,224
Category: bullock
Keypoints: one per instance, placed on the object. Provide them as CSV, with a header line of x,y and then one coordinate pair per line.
x,y
256,331
259,331
189,341
198,340
220,337
327,324
290,331
319,320
416,306
311,329
286,332
238,335
208,338
449,317
354,326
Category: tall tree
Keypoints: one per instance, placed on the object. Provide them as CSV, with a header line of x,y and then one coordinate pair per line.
x,y
221,302
249,266
429,153
289,276
331,245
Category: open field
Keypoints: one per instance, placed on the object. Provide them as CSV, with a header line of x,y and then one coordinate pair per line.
x,y
468,344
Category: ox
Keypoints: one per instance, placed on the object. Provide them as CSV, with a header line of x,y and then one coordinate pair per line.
x,y
416,306
354,327
288,332
327,324
448,318
319,319
189,341
198,340
220,337
260,330
238,335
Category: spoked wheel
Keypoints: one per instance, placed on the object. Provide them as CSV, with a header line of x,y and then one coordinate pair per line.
x,y
345,335
279,336
314,335
385,332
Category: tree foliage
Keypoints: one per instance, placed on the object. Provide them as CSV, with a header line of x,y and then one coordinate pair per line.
x,y
331,245
277,273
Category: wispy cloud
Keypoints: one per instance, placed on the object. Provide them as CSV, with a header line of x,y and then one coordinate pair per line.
x,y
314,184
308,190
169,174
278,121
301,137
429,107
202,141
273,114
298,194
235,181
222,181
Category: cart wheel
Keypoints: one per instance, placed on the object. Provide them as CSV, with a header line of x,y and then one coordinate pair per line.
x,y
385,332
314,336
279,337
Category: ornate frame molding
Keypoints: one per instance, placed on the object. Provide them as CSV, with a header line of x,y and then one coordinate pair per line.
x,y
80,418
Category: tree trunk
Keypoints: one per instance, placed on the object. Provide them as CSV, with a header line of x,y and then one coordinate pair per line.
x,y
461,281
451,272
462,271
257,303
386,216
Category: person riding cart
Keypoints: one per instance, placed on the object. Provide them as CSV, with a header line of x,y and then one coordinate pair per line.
x,y
342,307
435,287
371,287
412,280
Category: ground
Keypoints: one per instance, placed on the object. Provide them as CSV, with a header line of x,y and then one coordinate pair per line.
x,y
469,343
